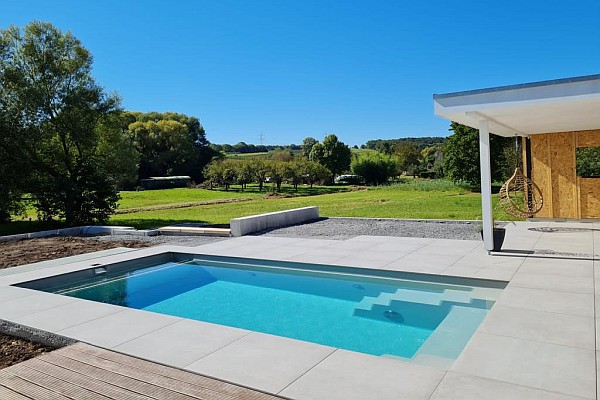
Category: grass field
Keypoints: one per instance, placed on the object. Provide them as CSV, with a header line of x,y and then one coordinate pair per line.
x,y
414,198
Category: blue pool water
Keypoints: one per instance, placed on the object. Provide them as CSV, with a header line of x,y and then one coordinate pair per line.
x,y
403,318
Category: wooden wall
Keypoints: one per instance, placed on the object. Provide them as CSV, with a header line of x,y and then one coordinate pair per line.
x,y
553,170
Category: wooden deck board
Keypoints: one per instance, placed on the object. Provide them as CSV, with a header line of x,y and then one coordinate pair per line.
x,y
95,385
82,371
29,389
64,388
185,389
8,394
177,374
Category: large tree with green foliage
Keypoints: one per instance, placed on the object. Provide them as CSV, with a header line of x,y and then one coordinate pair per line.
x,y
50,110
461,156
332,154
307,145
170,144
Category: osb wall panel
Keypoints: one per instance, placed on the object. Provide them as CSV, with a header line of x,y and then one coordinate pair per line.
x,y
564,178
589,189
588,138
540,172
554,171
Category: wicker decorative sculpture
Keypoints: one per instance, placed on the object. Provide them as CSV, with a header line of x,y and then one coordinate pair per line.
x,y
520,196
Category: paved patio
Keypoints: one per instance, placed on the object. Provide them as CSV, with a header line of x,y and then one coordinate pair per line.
x,y
538,341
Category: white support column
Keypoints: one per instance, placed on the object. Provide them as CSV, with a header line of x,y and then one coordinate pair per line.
x,y
486,184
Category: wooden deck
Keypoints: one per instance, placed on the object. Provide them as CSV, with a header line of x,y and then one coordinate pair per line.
x,y
86,372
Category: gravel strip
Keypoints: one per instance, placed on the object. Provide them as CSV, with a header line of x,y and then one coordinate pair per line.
x,y
337,229
345,228
157,240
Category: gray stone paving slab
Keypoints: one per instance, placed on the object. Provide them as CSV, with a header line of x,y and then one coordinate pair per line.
x,y
556,368
182,343
71,314
8,293
262,361
581,304
568,330
115,329
562,267
346,375
457,386
576,284
26,305
423,262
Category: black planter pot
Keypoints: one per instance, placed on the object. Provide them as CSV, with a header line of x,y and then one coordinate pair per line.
x,y
499,234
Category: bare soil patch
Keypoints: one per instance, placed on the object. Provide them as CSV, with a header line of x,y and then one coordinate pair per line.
x,y
13,350
35,250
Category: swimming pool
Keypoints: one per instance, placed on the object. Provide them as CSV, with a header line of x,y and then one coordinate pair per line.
x,y
411,316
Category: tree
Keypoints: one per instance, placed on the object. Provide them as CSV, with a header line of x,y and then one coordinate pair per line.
x,y
261,171
408,156
461,155
116,146
315,172
297,170
375,168
170,144
50,107
332,154
221,173
244,172
307,145
279,171
165,147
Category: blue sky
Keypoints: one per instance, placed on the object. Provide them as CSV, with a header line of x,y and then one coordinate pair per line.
x,y
292,69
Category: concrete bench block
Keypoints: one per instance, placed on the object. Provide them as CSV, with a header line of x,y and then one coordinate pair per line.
x,y
256,223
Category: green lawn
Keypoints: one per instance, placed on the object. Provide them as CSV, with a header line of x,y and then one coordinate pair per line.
x,y
399,201
413,198
152,198
147,198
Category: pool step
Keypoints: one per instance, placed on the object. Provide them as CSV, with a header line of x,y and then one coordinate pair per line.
x,y
415,296
445,344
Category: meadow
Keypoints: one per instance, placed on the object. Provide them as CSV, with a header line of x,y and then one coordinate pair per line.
x,y
411,198
414,199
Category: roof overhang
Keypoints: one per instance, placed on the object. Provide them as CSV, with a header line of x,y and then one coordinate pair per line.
x,y
561,105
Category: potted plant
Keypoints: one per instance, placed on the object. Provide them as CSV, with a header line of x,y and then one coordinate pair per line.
x,y
499,233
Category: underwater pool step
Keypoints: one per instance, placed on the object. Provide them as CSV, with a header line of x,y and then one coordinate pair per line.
x,y
413,296
451,335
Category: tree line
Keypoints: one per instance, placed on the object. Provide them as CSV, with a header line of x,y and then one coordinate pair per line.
x,y
66,143
69,146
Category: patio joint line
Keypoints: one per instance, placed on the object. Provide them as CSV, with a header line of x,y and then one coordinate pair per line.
x,y
575,397
438,384
537,341
307,371
214,351
517,285
35,312
81,323
403,256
